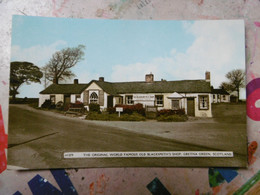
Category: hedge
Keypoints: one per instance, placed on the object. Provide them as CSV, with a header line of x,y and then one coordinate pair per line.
x,y
169,112
114,117
172,118
128,109
94,107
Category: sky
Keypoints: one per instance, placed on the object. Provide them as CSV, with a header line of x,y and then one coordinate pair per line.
x,y
126,50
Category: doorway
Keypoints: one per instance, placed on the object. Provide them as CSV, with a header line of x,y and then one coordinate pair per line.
x,y
190,107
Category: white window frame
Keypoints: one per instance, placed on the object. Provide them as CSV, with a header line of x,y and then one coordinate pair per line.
x,y
129,99
178,103
159,101
53,99
203,102
94,98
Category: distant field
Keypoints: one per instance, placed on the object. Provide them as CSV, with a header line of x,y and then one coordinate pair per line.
x,y
229,112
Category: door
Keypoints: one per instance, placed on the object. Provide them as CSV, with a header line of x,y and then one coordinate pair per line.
x,y
190,107
66,99
110,101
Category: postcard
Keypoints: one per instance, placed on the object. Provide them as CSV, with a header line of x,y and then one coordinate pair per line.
x,y
126,93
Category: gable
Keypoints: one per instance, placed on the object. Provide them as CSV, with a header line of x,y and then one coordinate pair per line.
x,y
93,86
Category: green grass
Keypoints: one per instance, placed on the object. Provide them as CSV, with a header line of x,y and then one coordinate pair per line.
x,y
114,117
229,112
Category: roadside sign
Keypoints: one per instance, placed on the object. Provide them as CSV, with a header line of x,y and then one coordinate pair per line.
x,y
119,109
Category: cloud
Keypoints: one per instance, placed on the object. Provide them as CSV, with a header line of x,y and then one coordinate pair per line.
x,y
218,47
39,54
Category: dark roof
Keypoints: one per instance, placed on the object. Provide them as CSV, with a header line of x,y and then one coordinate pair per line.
x,y
65,89
184,86
219,91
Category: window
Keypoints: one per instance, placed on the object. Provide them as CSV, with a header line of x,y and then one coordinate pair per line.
x,y
224,97
94,98
175,104
119,100
203,102
78,99
213,96
159,100
129,99
52,97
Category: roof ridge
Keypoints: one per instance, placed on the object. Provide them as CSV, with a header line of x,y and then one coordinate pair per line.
x,y
147,82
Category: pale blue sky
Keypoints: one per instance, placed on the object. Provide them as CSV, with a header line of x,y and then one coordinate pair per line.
x,y
123,50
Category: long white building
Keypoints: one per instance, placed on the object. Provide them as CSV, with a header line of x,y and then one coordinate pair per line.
x,y
194,96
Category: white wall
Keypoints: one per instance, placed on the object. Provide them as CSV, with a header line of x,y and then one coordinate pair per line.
x,y
73,98
198,112
42,99
220,99
59,98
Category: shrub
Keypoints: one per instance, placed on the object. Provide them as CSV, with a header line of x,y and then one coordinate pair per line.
x,y
99,116
172,118
23,100
169,112
114,117
60,106
48,104
129,109
132,117
111,110
77,104
94,107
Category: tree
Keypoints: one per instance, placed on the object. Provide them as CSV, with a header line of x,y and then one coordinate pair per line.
x,y
23,72
58,67
236,81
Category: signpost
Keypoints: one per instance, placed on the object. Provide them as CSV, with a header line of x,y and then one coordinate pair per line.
x,y
119,109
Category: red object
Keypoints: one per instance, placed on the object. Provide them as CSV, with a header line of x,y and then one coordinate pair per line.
x,y
252,111
251,150
3,143
257,24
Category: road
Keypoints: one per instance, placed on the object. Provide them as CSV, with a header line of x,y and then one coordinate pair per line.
x,y
38,139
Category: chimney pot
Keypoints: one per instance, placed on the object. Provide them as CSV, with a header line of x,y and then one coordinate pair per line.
x,y
149,78
101,79
207,76
76,81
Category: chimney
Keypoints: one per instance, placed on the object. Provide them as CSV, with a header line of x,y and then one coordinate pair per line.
x,y
101,79
207,76
76,81
149,78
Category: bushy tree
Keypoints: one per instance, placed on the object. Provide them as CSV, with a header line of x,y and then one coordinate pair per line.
x,y
236,81
23,72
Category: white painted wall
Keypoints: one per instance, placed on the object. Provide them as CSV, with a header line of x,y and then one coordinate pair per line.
x,y
42,99
226,100
93,86
59,98
73,98
220,99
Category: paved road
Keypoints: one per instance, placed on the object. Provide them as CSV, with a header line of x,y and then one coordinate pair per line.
x,y
38,139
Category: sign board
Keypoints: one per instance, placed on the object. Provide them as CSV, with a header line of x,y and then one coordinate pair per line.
x,y
119,109
143,97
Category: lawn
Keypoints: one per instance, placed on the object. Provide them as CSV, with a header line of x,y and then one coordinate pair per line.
x,y
229,112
